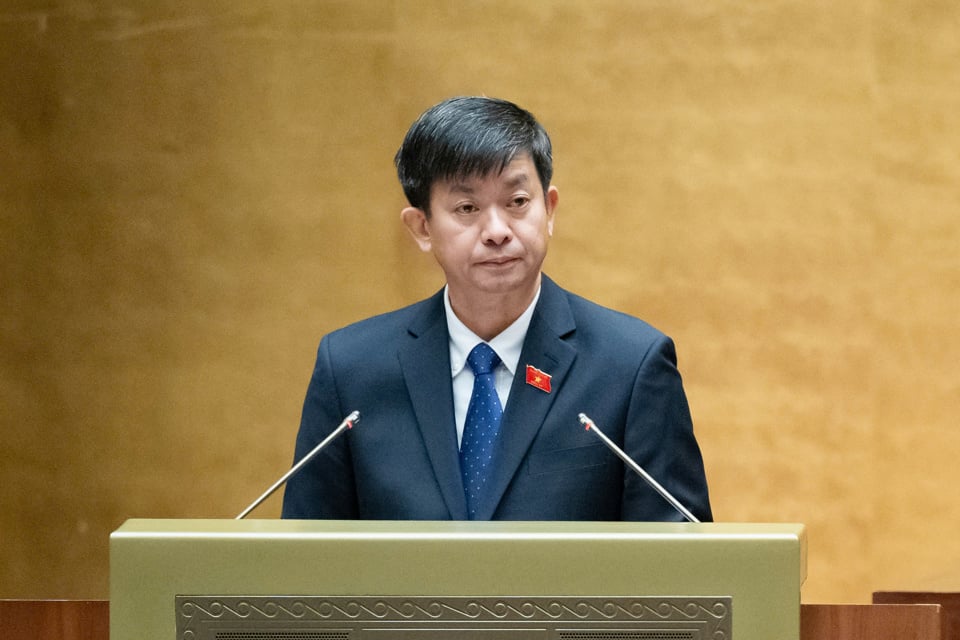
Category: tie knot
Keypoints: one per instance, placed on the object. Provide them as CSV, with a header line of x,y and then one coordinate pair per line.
x,y
482,359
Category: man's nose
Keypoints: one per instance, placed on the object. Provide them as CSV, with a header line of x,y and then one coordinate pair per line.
x,y
496,226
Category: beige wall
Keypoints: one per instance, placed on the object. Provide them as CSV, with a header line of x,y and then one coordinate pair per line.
x,y
192,193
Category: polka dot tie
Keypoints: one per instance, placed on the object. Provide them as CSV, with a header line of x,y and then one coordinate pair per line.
x,y
481,427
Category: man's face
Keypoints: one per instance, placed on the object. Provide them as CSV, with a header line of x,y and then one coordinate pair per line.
x,y
488,233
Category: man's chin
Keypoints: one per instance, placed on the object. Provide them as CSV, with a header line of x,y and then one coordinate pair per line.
x,y
509,283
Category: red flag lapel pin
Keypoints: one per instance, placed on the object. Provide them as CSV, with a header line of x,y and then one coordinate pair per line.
x,y
538,379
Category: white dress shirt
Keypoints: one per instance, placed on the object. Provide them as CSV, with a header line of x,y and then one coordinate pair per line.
x,y
507,345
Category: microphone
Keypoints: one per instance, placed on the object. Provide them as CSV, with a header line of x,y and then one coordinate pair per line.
x,y
589,424
347,423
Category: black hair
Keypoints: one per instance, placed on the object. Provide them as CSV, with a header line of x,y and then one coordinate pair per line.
x,y
465,137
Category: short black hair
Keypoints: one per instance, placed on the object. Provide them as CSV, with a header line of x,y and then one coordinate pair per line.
x,y
465,137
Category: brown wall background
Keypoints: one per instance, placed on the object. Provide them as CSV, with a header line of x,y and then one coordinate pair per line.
x,y
192,193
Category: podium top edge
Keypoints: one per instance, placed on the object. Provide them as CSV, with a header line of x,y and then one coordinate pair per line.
x,y
420,529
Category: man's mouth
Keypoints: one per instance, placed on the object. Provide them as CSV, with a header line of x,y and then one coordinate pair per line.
x,y
496,262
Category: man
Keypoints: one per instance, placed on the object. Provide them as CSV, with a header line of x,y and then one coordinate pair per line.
x,y
469,400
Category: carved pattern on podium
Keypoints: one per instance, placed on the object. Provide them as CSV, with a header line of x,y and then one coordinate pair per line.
x,y
588,618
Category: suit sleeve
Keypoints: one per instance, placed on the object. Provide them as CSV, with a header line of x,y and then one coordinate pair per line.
x,y
324,487
659,436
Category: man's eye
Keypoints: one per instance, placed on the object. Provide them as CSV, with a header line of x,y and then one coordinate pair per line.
x,y
520,201
465,209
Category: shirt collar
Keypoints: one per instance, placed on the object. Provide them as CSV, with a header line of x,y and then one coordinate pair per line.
x,y
508,344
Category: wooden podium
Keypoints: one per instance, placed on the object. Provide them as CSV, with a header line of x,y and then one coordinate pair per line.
x,y
948,600
870,622
89,620
54,619
941,587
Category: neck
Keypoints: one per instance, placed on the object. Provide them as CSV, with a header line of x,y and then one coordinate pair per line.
x,y
488,315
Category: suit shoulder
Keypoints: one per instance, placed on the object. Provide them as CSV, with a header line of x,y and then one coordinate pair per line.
x,y
593,318
384,328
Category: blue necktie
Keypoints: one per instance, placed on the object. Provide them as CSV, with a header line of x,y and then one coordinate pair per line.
x,y
481,426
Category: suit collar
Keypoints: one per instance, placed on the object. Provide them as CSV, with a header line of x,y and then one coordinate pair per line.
x,y
508,344
545,348
425,361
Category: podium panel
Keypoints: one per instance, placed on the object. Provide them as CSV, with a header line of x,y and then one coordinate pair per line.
x,y
54,619
870,622
949,600
378,580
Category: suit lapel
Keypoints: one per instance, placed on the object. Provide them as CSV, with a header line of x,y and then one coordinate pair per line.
x,y
544,348
425,362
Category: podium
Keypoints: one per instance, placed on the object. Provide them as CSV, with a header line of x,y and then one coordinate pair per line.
x,y
871,622
948,600
357,580
54,619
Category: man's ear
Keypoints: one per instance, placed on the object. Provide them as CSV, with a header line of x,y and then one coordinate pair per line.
x,y
551,199
417,224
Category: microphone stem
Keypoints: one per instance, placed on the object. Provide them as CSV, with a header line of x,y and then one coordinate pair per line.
x,y
586,421
347,423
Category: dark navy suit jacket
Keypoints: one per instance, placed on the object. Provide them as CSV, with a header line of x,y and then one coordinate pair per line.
x,y
401,462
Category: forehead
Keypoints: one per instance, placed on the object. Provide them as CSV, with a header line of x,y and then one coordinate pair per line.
x,y
518,173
